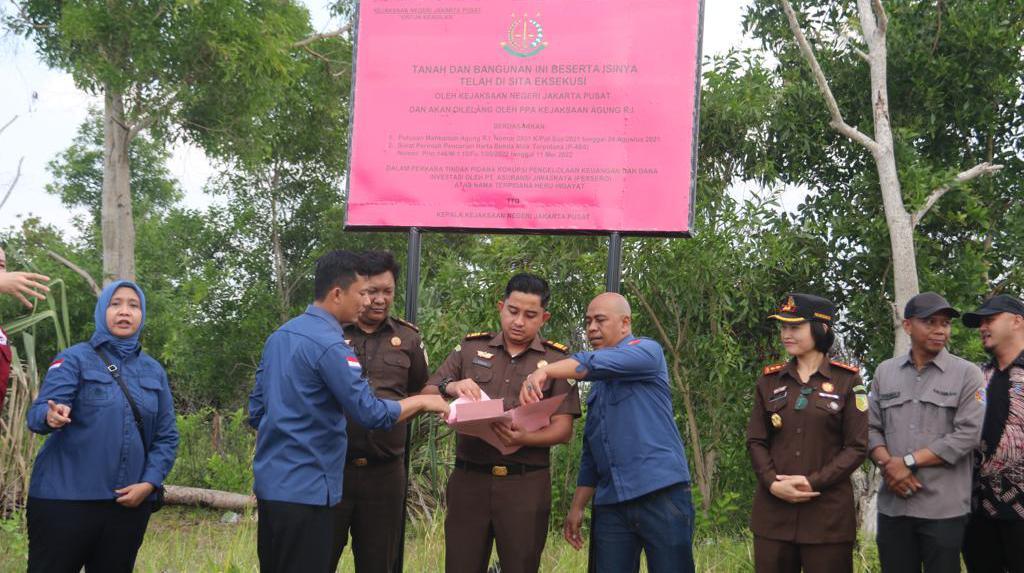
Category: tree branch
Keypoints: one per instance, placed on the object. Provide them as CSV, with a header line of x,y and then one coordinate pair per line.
x,y
881,17
8,124
978,170
316,37
17,175
138,126
837,123
79,270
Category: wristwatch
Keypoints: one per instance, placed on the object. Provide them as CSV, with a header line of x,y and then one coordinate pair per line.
x,y
910,462
443,387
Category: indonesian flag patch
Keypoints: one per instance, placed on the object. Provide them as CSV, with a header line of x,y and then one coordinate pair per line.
x,y
56,364
353,363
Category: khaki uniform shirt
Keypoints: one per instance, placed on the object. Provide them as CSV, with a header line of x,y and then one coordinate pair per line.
x,y
938,408
395,363
824,441
483,358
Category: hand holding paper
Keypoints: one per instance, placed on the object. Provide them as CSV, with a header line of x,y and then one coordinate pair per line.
x,y
478,419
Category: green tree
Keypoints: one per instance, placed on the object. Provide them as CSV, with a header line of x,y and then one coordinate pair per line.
x,y
197,70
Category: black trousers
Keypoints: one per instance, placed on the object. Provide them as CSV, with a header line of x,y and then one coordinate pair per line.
x,y
994,545
296,537
102,536
907,543
371,510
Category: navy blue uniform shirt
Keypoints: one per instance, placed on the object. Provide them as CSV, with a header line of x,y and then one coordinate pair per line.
x,y
631,444
100,450
307,380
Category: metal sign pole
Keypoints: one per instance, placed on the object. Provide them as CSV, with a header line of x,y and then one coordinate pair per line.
x,y
412,299
613,276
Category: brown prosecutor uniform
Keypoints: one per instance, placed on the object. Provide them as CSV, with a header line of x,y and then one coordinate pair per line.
x,y
825,441
371,505
492,497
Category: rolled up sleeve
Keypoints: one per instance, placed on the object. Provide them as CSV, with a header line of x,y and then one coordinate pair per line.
x,y
967,422
622,363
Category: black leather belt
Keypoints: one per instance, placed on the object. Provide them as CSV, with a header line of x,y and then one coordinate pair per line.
x,y
498,470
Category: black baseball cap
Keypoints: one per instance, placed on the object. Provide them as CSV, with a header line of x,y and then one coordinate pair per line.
x,y
927,304
994,305
799,307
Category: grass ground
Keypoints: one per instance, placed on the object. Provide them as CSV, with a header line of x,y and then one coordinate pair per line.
x,y
192,540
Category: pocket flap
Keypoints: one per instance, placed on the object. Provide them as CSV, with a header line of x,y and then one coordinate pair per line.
x,y
399,359
150,383
101,376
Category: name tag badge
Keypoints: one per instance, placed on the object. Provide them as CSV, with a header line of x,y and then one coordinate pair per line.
x,y
825,395
481,362
888,395
778,397
779,390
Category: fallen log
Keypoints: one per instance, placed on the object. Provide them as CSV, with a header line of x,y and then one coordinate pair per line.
x,y
198,497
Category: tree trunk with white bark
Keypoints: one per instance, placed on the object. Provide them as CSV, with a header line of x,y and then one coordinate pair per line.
x,y
116,221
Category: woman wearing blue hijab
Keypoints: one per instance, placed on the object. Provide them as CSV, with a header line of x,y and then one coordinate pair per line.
x,y
98,472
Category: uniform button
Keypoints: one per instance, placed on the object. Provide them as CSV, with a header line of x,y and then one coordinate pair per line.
x,y
911,426
797,453
799,430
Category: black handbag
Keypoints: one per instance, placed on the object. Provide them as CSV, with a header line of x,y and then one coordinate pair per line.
x,y
158,503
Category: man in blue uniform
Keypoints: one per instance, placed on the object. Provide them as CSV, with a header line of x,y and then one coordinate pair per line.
x,y
633,464
307,381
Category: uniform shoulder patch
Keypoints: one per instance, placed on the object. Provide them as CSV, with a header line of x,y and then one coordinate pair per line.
x,y
846,366
557,346
772,369
404,322
478,335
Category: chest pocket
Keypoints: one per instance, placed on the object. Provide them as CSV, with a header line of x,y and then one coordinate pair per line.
x,y
829,405
620,392
938,418
777,403
149,395
478,372
97,387
397,359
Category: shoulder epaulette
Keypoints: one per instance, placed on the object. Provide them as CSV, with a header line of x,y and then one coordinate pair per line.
x,y
845,366
476,335
404,322
557,346
774,368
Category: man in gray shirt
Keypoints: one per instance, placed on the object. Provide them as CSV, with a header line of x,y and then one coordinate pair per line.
x,y
925,420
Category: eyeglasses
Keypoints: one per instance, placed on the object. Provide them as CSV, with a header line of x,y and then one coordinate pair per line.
x,y
801,402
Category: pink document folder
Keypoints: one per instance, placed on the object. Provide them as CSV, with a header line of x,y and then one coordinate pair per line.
x,y
475,418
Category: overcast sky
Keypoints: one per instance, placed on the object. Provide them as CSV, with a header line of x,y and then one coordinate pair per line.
x,y
49,110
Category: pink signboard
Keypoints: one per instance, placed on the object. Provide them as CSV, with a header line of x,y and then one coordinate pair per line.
x,y
525,115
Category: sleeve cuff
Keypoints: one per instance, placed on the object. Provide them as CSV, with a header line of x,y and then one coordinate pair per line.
x,y
152,476
944,451
768,478
394,412
875,440
586,479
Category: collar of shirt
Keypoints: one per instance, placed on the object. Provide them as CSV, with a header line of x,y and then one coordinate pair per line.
x,y
388,324
322,314
824,370
941,361
993,364
498,341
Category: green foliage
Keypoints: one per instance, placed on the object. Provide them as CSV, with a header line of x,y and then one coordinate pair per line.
x,y
215,451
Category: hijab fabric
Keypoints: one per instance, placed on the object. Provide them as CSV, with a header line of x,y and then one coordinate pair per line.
x,y
122,347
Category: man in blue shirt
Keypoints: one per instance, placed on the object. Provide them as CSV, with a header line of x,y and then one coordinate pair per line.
x,y
307,380
633,465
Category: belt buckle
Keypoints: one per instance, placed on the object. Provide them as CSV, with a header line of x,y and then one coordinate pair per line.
x,y
499,471
360,462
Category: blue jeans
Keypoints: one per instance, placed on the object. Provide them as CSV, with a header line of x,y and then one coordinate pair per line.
x,y
659,523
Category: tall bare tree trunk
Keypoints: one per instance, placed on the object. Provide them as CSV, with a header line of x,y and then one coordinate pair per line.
x,y
116,221
874,24
280,281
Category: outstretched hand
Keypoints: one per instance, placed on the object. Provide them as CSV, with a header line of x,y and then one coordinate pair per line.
x,y
20,285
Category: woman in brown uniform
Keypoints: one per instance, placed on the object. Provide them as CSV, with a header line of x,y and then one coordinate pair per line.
x,y
808,432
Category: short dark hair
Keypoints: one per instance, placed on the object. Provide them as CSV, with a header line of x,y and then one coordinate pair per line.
x,y
529,284
823,337
378,262
336,269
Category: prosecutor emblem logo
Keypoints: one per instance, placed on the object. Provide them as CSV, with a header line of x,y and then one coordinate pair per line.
x,y
525,37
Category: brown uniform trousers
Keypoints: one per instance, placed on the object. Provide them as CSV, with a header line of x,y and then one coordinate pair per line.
x,y
825,440
495,498
373,499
